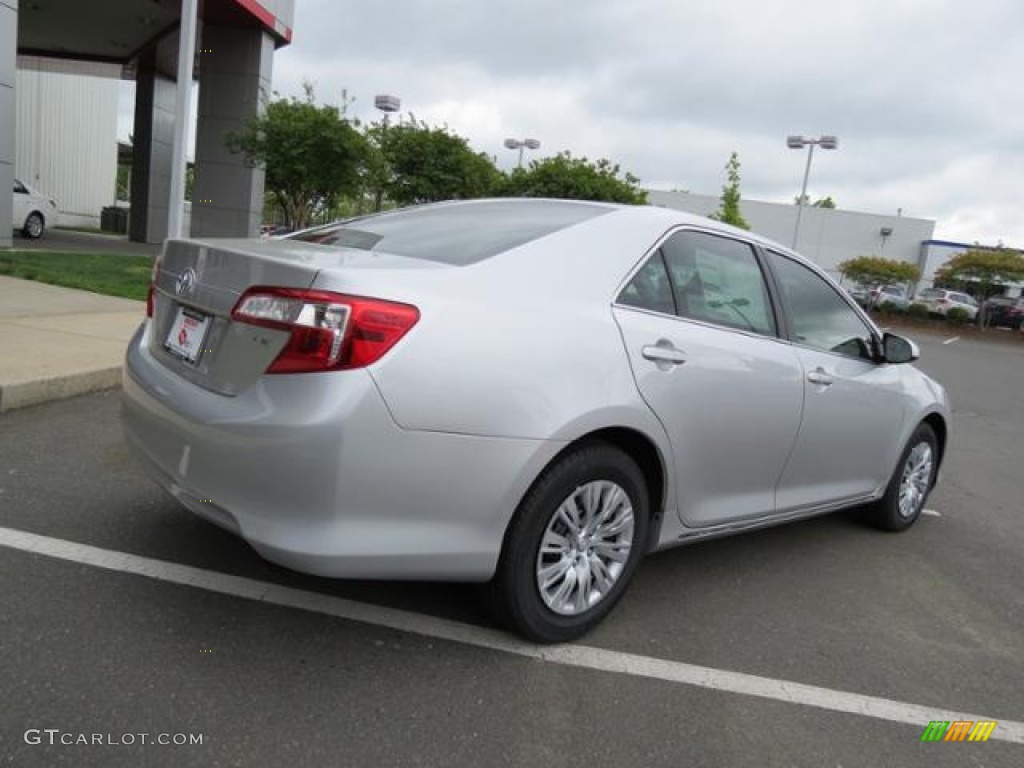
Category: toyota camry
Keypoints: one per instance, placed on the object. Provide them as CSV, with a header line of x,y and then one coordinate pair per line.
x,y
530,394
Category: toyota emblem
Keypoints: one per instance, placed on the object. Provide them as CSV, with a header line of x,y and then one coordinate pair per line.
x,y
186,282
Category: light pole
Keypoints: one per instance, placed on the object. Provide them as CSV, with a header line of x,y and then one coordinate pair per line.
x,y
799,142
387,104
520,145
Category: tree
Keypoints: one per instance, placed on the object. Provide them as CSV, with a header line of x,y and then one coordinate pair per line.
x,y
874,271
575,178
821,202
313,155
729,212
987,268
423,164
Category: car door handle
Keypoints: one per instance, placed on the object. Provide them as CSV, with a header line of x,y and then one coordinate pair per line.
x,y
664,352
820,377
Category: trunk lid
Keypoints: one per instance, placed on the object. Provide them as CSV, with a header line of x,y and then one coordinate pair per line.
x,y
198,283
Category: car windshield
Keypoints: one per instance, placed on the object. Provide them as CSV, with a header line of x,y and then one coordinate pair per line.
x,y
456,234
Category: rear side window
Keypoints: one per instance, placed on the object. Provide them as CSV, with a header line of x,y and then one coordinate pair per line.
x,y
456,234
704,277
717,280
649,289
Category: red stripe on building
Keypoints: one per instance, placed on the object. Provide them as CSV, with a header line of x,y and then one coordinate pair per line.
x,y
267,18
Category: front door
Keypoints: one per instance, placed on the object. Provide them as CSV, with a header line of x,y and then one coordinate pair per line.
x,y
853,403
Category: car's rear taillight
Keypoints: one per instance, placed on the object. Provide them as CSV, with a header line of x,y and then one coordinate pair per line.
x,y
152,283
329,331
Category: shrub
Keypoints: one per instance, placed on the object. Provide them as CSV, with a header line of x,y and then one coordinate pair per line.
x,y
891,308
919,311
958,315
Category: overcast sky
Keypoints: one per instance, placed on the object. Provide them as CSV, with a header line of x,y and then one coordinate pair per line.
x,y
926,96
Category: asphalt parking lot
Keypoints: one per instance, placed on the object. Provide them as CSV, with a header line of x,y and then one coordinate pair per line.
x,y
820,643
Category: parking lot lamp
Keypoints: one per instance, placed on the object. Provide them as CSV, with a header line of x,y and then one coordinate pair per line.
x,y
799,142
521,144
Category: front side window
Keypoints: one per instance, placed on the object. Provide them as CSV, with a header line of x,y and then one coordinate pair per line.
x,y
718,280
819,316
19,188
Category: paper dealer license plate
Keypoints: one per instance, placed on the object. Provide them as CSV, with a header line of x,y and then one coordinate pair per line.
x,y
185,339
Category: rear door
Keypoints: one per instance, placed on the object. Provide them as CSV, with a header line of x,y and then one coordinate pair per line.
x,y
700,333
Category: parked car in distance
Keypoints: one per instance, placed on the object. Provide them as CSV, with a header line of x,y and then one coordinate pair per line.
x,y
858,293
888,294
940,301
1004,311
531,394
33,211
275,230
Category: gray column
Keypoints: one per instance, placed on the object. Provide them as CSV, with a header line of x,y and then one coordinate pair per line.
x,y
234,74
152,142
8,57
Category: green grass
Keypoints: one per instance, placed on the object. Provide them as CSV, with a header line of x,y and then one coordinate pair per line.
x,y
107,273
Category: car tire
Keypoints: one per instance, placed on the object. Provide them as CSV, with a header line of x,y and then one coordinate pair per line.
x,y
584,510
911,482
34,226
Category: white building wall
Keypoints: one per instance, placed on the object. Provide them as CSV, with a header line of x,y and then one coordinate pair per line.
x,y
67,135
8,33
828,236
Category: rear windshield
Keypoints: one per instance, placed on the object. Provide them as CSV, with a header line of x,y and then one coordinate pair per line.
x,y
456,234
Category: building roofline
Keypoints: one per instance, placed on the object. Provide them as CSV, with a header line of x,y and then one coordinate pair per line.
x,y
971,246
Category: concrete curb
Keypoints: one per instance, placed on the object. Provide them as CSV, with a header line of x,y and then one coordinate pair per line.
x,y
24,394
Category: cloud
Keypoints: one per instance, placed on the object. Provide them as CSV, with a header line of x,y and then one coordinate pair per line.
x,y
924,94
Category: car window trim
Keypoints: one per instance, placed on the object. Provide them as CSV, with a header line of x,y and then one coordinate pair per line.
x,y
758,259
876,334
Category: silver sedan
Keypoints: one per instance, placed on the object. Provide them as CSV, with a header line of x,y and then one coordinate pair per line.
x,y
531,394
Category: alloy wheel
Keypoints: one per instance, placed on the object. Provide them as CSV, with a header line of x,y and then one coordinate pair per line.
x,y
917,475
585,548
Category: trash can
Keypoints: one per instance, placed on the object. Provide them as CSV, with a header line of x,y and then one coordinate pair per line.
x,y
114,219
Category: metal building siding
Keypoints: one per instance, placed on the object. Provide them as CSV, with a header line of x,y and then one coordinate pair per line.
x,y
66,143
827,236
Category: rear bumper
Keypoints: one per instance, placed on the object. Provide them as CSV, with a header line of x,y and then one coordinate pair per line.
x,y
314,473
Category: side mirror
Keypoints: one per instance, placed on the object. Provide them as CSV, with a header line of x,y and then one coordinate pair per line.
x,y
897,349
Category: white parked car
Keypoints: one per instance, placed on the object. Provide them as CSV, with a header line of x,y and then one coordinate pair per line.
x,y
33,211
888,294
940,301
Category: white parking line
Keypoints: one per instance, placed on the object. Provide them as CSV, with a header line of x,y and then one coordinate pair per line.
x,y
569,655
951,340
931,513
